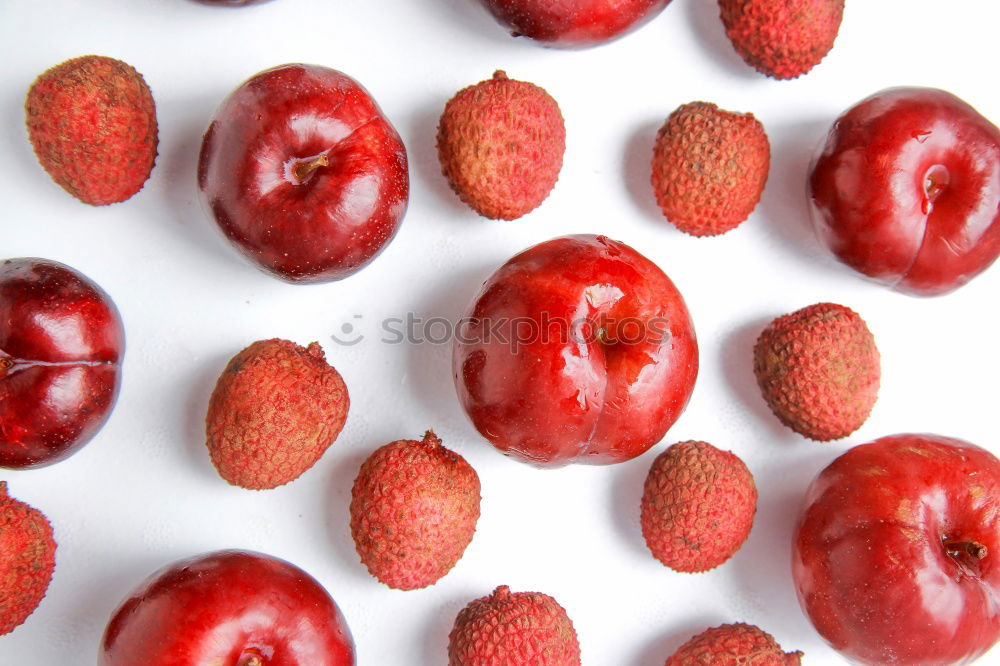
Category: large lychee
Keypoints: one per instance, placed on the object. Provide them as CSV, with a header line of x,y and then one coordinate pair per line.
x,y
92,123
27,560
783,39
275,410
513,629
733,644
819,370
709,168
414,508
698,505
501,145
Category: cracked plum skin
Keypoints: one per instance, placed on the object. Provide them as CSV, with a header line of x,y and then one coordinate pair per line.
x,y
61,344
303,173
573,24
907,190
895,554
230,608
612,372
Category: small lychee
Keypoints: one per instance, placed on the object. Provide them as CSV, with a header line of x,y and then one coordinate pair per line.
x,y
709,168
501,145
698,505
414,508
731,645
513,629
275,410
819,370
785,39
92,124
27,560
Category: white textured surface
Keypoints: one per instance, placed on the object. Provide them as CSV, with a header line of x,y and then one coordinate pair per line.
x,y
144,492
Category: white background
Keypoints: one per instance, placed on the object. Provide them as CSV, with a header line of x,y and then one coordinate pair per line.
x,y
144,493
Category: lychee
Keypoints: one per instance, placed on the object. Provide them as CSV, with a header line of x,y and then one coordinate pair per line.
x,y
92,124
27,560
709,168
275,410
785,39
501,145
819,370
513,629
698,505
414,508
732,645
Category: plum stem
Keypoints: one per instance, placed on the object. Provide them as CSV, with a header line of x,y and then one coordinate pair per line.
x,y
972,548
6,363
252,660
305,168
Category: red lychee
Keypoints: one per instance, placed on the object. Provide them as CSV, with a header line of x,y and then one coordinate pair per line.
x,y
501,145
92,123
698,505
783,39
733,645
819,370
275,410
414,508
709,168
513,629
27,560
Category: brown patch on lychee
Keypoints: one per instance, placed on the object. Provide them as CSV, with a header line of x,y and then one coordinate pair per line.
x,y
698,505
275,410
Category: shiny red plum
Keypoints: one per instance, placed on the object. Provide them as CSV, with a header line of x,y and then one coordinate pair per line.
x,y
61,346
896,554
228,608
907,190
578,349
573,23
303,173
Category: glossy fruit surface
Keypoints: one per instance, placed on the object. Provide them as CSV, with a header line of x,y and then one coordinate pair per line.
x,y
573,23
895,555
907,190
578,349
61,344
228,608
303,173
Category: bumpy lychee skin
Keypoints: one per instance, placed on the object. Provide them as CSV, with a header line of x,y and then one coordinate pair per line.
x,y
698,505
785,39
819,370
92,123
27,560
275,410
513,629
414,508
501,145
732,645
709,168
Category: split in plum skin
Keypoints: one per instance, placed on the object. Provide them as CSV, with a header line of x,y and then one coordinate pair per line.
x,y
61,345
